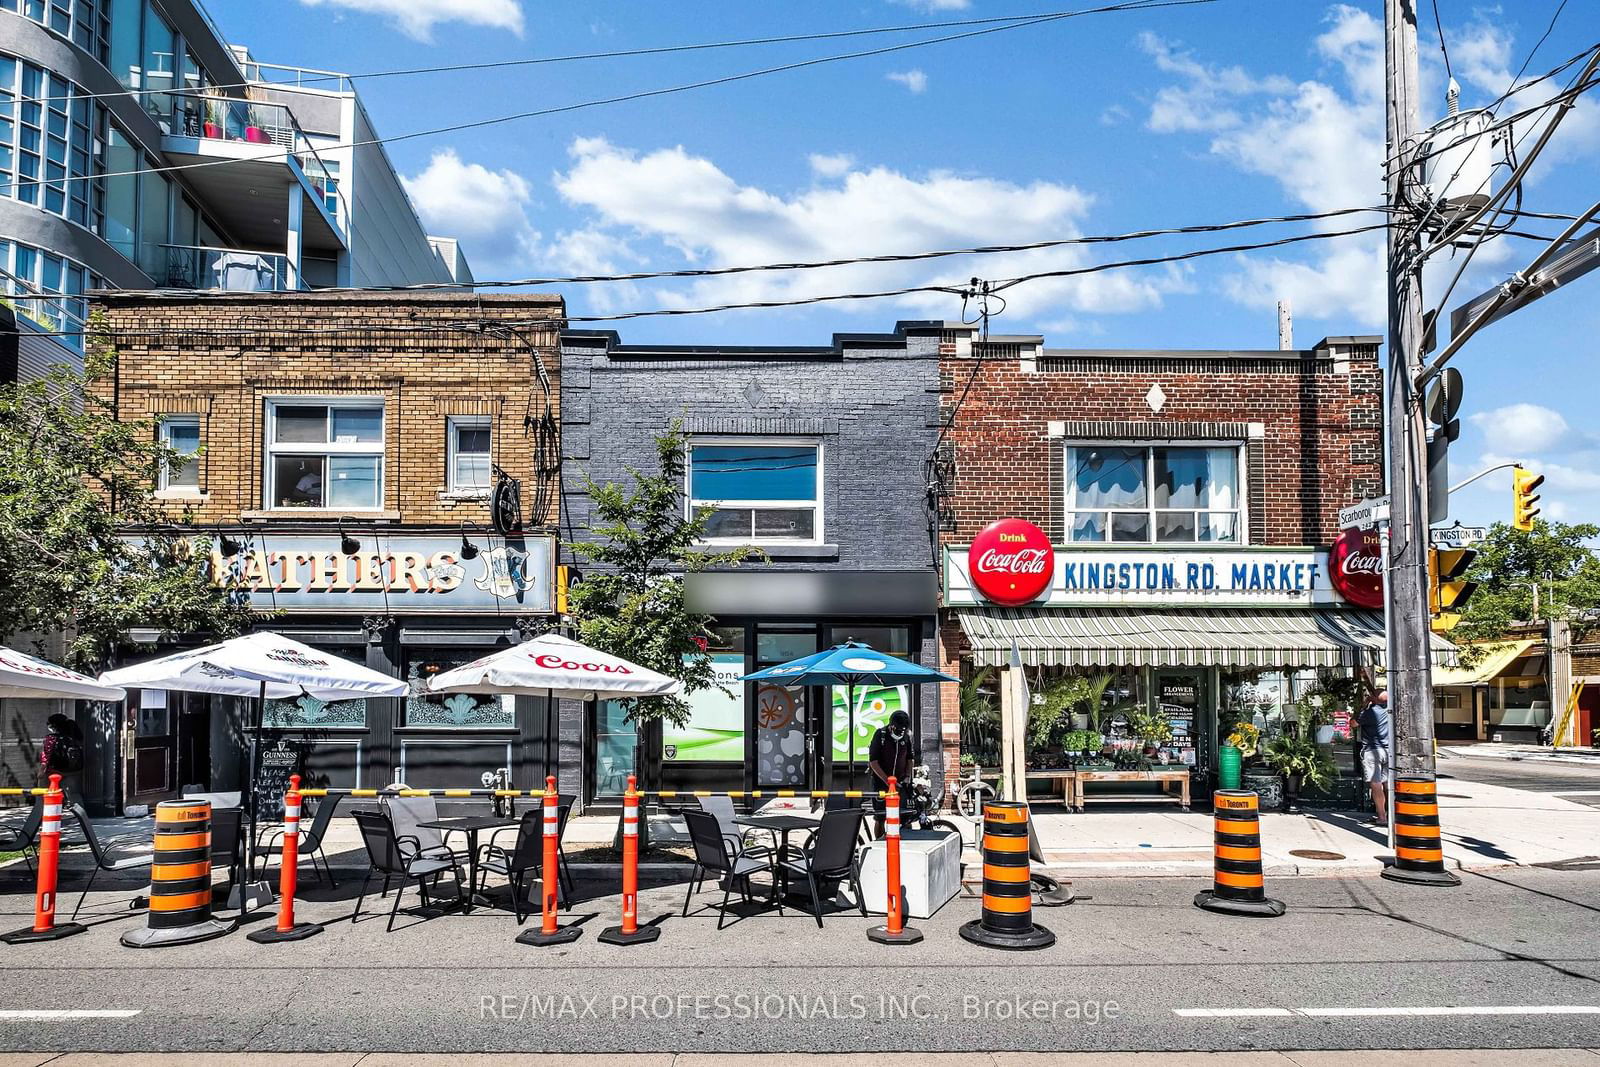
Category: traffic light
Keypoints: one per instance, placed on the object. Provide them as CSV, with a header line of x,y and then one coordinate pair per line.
x,y
1448,592
1524,500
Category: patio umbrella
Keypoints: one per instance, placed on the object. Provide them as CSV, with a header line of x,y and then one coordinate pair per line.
x,y
29,678
849,665
554,666
266,666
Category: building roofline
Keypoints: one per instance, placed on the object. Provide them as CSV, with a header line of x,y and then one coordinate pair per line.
x,y
611,342
133,297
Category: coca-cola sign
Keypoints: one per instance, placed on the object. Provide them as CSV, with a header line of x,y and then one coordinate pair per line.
x,y
1356,568
1011,561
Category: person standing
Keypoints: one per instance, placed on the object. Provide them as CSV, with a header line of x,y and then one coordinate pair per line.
x,y
889,756
62,750
1375,724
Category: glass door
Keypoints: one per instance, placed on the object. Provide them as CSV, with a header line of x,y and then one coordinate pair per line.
x,y
1180,697
787,748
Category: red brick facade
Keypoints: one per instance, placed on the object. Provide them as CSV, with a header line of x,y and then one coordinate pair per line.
x,y
1310,423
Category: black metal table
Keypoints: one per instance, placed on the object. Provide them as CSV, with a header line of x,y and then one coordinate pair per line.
x,y
783,826
470,825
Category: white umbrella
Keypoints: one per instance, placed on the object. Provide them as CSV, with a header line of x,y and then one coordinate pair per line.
x,y
22,675
558,667
555,666
266,666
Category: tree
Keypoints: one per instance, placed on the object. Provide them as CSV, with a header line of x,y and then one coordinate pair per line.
x,y
632,603
73,479
1555,554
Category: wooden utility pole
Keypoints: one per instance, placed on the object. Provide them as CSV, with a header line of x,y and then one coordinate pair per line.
x,y
1410,673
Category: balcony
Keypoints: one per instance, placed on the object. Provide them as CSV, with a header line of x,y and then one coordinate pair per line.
x,y
272,176
232,269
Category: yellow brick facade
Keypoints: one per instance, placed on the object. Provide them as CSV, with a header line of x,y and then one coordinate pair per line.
x,y
223,357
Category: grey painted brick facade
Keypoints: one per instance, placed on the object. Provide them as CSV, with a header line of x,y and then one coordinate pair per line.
x,y
870,400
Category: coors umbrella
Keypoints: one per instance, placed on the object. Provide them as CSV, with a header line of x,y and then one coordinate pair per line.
x,y
29,678
555,666
266,666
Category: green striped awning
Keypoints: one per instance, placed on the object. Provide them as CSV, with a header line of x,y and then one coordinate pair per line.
x,y
1212,637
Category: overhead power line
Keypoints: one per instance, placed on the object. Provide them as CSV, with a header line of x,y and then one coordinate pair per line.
x,y
1130,5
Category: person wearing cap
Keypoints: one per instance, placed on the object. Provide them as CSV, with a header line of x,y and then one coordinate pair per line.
x,y
889,756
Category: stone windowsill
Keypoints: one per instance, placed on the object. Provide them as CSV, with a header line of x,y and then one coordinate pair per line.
x,y
181,496
318,515
464,496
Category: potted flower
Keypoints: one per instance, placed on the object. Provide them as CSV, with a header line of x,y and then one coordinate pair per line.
x,y
253,131
1298,762
1151,729
212,127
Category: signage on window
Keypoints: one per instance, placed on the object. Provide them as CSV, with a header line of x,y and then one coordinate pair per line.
x,y
1357,568
1151,577
1011,562
391,574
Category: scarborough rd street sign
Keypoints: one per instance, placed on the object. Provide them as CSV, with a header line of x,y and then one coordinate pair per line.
x,y
1369,511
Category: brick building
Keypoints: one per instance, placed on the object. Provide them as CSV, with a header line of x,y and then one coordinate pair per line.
x,y
1182,505
345,449
817,454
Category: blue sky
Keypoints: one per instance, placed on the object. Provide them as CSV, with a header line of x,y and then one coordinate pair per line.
x,y
1094,125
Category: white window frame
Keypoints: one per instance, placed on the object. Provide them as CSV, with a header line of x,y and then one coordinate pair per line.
x,y
1069,491
271,450
164,432
691,503
453,424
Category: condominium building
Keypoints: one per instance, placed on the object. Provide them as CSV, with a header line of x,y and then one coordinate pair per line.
x,y
139,150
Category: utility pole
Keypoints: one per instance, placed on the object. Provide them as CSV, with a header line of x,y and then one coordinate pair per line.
x,y
1410,670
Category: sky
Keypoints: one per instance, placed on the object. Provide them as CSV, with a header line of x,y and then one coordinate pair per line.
x,y
1098,124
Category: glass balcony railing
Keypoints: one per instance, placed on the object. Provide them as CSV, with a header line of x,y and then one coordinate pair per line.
x,y
233,269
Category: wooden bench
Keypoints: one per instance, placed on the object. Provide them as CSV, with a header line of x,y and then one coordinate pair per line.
x,y
1178,777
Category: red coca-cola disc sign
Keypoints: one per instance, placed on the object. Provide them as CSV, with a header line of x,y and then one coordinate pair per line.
x,y
1358,568
1011,561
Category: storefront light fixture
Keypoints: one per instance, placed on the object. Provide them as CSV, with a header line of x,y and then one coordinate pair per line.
x,y
347,544
230,546
468,549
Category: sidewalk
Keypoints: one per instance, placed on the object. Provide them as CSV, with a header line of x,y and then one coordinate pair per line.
x,y
1538,753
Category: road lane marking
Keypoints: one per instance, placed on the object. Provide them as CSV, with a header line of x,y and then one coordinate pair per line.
x,y
1492,1009
16,1015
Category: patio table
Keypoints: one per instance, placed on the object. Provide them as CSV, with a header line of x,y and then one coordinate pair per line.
x,y
783,826
470,825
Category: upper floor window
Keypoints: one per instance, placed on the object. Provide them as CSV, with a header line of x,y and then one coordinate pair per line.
x,y
181,433
85,22
1169,494
758,490
469,460
325,455
50,143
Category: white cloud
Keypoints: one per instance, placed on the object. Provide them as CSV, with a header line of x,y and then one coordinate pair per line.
x,y
935,5
1526,430
486,209
835,166
417,19
1115,115
671,205
914,80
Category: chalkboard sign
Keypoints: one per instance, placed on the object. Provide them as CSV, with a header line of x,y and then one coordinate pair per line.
x,y
279,759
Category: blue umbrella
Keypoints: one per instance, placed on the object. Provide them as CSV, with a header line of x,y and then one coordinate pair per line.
x,y
849,664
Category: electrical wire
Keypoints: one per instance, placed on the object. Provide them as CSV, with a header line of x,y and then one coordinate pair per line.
x,y
1540,42
1132,5
1448,73
626,53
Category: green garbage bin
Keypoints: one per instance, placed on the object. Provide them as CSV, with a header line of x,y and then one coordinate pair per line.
x,y
1229,763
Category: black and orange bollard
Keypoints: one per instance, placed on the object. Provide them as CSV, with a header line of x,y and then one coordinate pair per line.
x,y
45,927
1007,883
180,879
894,930
630,932
288,876
550,932
1238,885
1418,848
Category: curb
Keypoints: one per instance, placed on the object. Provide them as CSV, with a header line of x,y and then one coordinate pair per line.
x,y
1580,759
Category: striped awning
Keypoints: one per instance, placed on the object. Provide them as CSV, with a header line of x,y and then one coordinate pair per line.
x,y
1212,637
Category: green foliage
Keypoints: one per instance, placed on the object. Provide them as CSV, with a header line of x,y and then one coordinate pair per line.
x,y
1291,756
1246,738
632,603
1061,697
1151,727
73,481
1084,742
980,717
1558,555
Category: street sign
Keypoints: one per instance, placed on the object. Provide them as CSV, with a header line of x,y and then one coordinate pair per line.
x,y
1458,536
1571,262
1369,511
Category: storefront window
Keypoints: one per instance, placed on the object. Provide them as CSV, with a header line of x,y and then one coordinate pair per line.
x,y
309,713
757,491
466,710
615,745
715,729
873,704
1166,494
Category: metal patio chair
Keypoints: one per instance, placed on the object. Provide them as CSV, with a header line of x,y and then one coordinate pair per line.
x,y
712,856
830,853
391,857
24,837
309,843
104,860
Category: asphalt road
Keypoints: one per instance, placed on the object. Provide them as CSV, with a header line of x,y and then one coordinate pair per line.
x,y
1133,963
1538,776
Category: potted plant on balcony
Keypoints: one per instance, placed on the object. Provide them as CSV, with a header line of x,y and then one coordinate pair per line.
x,y
212,127
252,130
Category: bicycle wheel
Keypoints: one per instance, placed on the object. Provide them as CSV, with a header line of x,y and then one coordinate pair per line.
x,y
947,826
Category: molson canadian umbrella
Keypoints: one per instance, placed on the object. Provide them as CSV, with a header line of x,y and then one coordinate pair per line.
x,y
849,665
28,678
554,666
266,666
